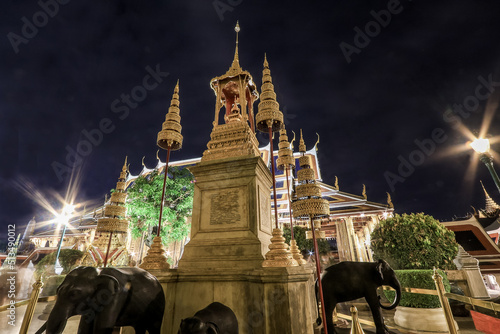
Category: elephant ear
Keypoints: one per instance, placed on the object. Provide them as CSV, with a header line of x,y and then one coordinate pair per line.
x,y
108,297
380,268
212,328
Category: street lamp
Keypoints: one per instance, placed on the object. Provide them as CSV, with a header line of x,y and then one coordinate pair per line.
x,y
482,147
63,219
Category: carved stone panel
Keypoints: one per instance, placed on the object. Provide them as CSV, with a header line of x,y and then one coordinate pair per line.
x,y
264,211
224,208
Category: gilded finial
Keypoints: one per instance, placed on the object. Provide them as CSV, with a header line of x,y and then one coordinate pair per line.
x,y
364,192
317,142
302,145
291,143
336,185
124,168
236,60
389,201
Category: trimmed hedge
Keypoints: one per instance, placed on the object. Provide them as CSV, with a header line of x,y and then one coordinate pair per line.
x,y
421,278
414,241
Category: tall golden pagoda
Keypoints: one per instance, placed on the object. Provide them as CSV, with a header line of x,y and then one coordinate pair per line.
x,y
109,245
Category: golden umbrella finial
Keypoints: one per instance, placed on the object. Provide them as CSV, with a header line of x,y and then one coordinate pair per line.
x,y
170,139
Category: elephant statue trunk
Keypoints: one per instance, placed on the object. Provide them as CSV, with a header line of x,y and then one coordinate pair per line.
x,y
396,286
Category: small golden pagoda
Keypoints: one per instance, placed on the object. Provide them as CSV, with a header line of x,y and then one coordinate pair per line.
x,y
237,92
109,245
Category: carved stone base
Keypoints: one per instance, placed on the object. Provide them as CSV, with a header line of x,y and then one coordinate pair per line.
x,y
156,258
279,255
296,254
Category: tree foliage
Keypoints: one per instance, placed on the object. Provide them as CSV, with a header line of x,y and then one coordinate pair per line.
x,y
414,241
144,199
299,234
67,258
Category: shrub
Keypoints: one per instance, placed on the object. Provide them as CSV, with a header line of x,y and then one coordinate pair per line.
x,y
299,234
414,241
418,279
67,258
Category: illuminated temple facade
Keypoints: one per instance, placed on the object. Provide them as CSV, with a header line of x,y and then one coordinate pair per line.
x,y
352,217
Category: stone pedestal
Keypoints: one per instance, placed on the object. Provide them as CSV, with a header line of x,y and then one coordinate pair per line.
x,y
265,301
231,221
230,235
470,268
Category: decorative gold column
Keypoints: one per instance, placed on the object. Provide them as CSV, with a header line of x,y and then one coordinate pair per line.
x,y
169,138
270,119
30,309
438,280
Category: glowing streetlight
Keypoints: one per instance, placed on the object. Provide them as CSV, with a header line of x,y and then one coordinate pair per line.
x,y
482,147
63,219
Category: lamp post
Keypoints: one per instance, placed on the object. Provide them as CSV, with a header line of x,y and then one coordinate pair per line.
x,y
63,219
482,147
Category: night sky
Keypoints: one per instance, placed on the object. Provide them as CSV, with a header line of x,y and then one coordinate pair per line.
x,y
384,83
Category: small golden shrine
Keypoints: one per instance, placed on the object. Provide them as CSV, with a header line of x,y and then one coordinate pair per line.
x,y
237,92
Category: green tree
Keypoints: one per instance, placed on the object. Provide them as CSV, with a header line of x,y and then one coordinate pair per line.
x,y
414,241
299,234
143,204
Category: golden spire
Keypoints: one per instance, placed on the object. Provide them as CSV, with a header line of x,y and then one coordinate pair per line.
x,y
389,201
491,206
236,60
302,145
364,192
269,115
336,186
170,134
123,174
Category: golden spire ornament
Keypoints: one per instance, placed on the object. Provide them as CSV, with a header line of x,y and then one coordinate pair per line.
x,y
310,205
286,162
170,139
364,192
389,201
108,247
270,119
